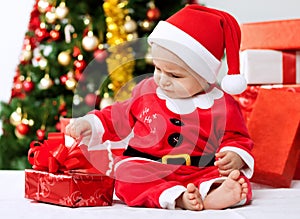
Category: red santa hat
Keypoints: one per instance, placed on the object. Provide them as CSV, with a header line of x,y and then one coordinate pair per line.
x,y
199,35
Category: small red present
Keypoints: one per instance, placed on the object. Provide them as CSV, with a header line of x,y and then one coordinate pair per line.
x,y
277,35
274,128
270,66
63,175
69,189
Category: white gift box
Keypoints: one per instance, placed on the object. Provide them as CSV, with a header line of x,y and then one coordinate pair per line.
x,y
270,66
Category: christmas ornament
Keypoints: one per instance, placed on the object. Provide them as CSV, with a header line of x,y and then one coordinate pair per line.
x,y
50,16
71,83
61,11
43,5
21,130
40,133
69,29
41,33
79,64
90,42
153,14
42,62
120,63
100,54
130,25
146,25
77,100
45,83
64,58
54,34
63,79
26,54
91,99
16,117
106,101
28,85
76,51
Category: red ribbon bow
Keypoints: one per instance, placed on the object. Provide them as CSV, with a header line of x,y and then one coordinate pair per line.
x,y
53,155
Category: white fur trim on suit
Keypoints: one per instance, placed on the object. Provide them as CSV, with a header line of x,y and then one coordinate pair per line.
x,y
167,199
97,130
191,52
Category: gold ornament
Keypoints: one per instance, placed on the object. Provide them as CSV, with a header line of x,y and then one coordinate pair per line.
x,y
64,58
26,54
90,42
45,83
77,100
130,25
43,63
61,11
50,17
16,117
106,101
71,83
43,5
147,25
121,60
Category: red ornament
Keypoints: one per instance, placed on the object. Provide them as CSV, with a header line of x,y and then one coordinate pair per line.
x,y
58,126
23,129
54,34
63,79
92,100
28,85
153,14
40,133
41,33
76,51
80,64
100,55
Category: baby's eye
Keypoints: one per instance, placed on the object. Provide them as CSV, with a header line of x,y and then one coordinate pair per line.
x,y
174,75
158,69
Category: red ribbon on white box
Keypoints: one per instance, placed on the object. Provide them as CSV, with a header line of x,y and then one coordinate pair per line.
x,y
271,66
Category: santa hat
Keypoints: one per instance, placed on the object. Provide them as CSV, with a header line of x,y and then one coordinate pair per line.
x,y
199,35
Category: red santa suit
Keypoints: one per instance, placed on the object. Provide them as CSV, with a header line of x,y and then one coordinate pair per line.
x,y
193,128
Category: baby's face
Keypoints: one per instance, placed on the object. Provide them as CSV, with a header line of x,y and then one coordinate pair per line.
x,y
175,77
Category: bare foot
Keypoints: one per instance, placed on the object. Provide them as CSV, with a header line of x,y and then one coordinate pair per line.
x,y
190,199
230,192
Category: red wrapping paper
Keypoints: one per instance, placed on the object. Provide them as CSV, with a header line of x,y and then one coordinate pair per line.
x,y
274,128
277,35
69,189
63,175
247,102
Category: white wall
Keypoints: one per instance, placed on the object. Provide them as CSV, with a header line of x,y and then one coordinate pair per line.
x,y
257,10
14,18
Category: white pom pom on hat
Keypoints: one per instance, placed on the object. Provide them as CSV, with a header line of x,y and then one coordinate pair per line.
x,y
199,36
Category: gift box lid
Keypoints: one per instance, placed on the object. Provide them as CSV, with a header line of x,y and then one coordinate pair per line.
x,y
276,34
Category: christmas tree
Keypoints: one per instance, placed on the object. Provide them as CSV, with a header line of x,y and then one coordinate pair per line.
x,y
53,81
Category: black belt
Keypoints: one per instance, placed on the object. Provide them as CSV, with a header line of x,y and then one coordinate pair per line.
x,y
183,159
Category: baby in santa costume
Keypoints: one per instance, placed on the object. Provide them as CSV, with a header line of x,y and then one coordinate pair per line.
x,y
188,146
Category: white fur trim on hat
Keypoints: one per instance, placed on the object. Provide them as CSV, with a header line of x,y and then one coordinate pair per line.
x,y
191,52
234,84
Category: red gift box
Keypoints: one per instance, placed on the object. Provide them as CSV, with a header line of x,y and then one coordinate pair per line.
x,y
248,98
63,175
270,67
69,189
274,128
277,35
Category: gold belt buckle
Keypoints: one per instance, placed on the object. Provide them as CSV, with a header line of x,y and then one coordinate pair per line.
x,y
186,157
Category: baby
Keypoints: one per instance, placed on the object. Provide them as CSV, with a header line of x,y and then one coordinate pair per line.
x,y
189,146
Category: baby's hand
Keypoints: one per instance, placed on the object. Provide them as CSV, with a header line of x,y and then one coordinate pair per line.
x,y
227,161
79,128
